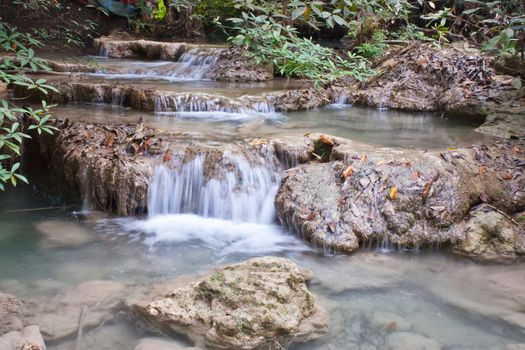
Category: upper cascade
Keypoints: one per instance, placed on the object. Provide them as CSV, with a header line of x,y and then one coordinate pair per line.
x,y
193,64
239,187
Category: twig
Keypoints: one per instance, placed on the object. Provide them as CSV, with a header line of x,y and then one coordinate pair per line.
x,y
83,312
503,213
36,209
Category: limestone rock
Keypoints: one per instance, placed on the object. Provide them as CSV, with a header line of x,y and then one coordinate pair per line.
x,y
491,235
11,313
251,305
28,339
410,341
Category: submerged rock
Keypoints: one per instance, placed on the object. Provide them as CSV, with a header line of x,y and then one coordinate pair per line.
x,y
160,344
82,307
11,314
58,233
262,303
27,339
410,341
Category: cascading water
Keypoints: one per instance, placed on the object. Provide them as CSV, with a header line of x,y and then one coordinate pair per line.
x,y
229,204
194,64
241,192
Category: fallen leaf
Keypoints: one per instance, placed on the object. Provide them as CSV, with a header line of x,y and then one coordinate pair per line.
x,y
90,135
416,175
482,171
348,171
516,150
381,162
167,156
391,327
364,158
392,193
110,139
428,186
452,148
326,139
508,176
311,216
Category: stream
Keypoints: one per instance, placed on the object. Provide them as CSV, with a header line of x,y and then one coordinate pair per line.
x,y
194,225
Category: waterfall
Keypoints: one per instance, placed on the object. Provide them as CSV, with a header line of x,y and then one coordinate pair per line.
x,y
236,189
209,103
194,64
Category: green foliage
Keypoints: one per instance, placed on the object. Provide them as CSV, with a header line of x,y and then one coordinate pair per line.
x,y
12,130
374,48
63,27
268,42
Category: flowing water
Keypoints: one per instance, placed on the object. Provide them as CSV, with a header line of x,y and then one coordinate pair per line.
x,y
201,217
430,294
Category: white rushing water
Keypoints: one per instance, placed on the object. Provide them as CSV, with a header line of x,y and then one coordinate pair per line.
x,y
227,205
238,191
194,64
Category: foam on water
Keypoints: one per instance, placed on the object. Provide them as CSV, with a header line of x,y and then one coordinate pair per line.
x,y
223,236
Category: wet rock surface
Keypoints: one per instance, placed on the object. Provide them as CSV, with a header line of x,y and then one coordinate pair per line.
x,y
232,65
406,198
27,339
419,77
257,304
153,100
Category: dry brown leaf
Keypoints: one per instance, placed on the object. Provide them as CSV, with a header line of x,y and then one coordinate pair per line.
x,y
90,135
416,175
516,150
482,171
348,171
311,216
428,186
167,156
110,139
326,139
392,193
508,176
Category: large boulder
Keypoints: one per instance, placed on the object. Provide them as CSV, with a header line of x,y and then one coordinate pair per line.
x,y
262,303
358,195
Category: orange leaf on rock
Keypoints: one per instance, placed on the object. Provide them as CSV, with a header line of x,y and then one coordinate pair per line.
x,y
110,139
482,171
89,135
509,175
167,156
348,171
392,193
516,150
416,175
326,139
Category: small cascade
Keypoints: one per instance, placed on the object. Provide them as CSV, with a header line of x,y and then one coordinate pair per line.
x,y
209,103
194,64
236,188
